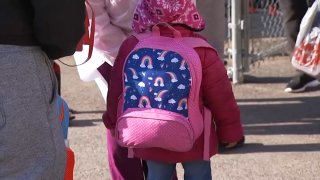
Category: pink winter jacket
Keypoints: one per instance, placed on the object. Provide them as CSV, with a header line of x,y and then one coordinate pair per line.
x,y
216,93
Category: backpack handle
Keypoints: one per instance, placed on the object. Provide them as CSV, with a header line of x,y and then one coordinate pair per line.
x,y
156,29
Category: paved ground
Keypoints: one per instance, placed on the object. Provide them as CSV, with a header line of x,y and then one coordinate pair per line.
x,y
282,130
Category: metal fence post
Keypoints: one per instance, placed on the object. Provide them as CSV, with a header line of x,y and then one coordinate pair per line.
x,y
245,27
236,22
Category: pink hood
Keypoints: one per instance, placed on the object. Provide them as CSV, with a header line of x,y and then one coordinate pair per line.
x,y
151,12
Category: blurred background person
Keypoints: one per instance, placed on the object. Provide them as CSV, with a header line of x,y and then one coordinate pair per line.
x,y
33,34
293,12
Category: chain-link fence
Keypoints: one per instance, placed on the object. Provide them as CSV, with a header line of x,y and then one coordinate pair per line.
x,y
266,29
255,33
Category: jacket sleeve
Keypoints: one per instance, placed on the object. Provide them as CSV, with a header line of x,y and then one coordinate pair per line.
x,y
58,25
219,98
113,24
115,88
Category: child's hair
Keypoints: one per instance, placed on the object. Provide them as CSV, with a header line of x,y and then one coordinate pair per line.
x,y
182,12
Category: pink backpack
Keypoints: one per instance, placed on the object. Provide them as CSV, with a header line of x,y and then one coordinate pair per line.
x,y
159,106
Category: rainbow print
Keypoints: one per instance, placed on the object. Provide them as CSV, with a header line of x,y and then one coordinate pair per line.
x,y
183,65
160,95
159,82
146,60
125,77
126,88
134,73
182,103
162,55
144,102
172,76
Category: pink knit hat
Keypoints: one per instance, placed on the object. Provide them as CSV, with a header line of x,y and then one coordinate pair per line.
x,y
151,12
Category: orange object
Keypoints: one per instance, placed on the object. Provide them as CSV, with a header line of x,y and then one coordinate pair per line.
x,y
70,164
64,120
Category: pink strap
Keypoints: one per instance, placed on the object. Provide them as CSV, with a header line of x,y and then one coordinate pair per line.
x,y
207,129
198,42
130,153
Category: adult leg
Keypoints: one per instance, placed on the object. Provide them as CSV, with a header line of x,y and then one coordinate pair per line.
x,y
293,12
195,170
31,138
121,167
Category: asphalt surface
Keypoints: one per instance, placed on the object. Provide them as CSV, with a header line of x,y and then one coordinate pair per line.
x,y
282,130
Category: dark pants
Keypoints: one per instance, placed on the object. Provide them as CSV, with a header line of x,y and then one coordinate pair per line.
x,y
293,12
193,170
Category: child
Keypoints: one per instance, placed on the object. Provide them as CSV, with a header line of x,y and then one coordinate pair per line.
x,y
215,93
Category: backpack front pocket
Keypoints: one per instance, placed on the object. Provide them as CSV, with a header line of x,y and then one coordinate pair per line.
x,y
147,128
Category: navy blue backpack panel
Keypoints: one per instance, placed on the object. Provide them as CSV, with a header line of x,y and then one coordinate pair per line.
x,y
156,78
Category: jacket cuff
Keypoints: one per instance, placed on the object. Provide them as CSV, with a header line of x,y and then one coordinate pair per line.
x,y
232,133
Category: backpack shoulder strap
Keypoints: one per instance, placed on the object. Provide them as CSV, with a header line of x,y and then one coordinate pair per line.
x,y
195,42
